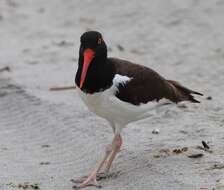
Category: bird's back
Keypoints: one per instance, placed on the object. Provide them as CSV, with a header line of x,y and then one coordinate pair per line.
x,y
147,85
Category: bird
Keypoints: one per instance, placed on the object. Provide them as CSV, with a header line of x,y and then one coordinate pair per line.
x,y
120,92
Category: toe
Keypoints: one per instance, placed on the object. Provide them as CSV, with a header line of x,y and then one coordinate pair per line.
x,y
79,180
101,176
80,186
75,187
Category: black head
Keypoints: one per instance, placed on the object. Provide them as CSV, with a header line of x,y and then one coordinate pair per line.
x,y
93,40
92,61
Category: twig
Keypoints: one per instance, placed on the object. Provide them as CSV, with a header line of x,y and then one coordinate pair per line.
x,y
199,155
6,68
205,145
62,88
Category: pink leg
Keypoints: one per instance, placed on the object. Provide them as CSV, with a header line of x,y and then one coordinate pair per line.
x,y
110,155
91,179
116,146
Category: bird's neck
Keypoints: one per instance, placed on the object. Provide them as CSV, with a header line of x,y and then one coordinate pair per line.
x,y
99,76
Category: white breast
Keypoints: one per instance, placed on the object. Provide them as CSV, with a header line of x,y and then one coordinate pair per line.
x,y
105,104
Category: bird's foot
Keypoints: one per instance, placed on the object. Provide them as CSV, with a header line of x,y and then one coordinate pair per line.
x,y
79,180
102,175
99,176
86,181
90,181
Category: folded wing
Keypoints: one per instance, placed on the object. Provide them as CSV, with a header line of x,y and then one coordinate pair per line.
x,y
147,85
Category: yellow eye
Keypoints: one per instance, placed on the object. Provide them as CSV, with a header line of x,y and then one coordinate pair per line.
x,y
99,41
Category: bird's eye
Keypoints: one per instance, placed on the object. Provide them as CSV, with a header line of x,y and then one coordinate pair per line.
x,y
99,41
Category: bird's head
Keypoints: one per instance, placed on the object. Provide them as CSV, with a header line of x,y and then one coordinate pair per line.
x,y
93,51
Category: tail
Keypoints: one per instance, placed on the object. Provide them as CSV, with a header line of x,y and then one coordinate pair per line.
x,y
183,93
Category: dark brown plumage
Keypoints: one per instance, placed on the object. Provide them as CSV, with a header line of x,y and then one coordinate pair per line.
x,y
147,85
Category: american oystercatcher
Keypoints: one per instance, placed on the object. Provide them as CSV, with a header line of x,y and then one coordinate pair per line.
x,y
119,91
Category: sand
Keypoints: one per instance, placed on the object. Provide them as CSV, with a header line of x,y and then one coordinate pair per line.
x,y
50,137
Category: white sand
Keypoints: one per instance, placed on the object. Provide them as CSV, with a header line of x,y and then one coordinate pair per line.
x,y
39,40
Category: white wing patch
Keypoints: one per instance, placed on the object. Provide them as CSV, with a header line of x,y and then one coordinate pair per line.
x,y
119,79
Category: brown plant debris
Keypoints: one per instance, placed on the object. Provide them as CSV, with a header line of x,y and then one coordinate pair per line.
x,y
197,155
6,68
62,88
25,186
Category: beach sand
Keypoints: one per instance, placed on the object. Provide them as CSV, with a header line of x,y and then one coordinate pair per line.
x,y
48,138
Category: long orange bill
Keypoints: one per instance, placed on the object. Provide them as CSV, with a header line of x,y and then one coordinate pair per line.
x,y
88,56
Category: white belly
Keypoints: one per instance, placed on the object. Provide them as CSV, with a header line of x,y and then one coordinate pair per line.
x,y
106,105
